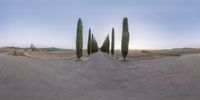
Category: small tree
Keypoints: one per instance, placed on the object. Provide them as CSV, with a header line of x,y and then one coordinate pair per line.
x,y
113,42
125,38
79,39
89,49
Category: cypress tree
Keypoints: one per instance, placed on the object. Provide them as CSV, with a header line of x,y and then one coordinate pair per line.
x,y
89,49
79,39
125,38
92,46
113,42
108,44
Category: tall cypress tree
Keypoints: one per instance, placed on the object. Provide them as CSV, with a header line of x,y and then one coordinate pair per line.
x,y
125,38
108,44
113,42
89,49
92,42
79,39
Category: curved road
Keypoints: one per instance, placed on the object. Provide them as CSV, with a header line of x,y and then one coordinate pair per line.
x,y
99,78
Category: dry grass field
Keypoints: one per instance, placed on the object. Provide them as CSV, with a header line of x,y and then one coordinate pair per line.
x,y
71,54
156,54
50,55
65,54
2,50
57,54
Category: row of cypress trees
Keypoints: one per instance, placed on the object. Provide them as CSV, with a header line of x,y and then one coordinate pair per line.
x,y
124,43
106,45
95,47
92,43
92,46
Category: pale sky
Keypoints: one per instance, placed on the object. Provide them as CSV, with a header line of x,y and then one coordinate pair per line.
x,y
153,24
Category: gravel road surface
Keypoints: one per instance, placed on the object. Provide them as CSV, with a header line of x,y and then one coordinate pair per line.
x,y
100,78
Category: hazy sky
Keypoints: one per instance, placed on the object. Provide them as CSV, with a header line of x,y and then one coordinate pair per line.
x,y
153,24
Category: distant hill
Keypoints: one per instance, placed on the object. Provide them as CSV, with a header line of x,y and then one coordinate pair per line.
x,y
12,47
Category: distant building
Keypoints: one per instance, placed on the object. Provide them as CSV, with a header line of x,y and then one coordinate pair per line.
x,y
32,48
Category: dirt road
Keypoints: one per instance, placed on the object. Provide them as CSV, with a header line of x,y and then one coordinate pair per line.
x,y
99,78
